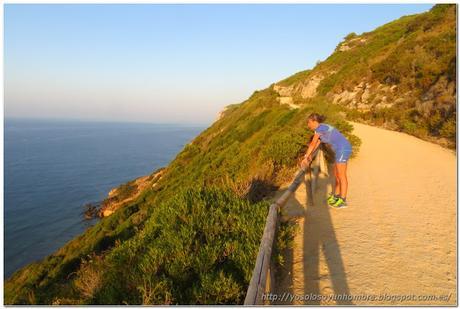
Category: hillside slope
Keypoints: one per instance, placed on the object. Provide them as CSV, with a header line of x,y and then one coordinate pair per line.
x,y
401,76
191,235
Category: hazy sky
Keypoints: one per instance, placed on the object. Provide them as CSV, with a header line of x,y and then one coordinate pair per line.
x,y
166,63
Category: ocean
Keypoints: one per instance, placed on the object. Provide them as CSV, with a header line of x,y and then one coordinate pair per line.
x,y
53,168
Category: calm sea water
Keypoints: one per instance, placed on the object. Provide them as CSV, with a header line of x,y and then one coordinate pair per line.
x,y
53,168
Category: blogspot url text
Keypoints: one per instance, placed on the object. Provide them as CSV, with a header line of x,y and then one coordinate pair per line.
x,y
289,297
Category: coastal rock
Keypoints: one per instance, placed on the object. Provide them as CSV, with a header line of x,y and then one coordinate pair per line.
x,y
90,211
128,192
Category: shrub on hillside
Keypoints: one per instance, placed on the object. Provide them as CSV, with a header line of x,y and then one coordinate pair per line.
x,y
197,248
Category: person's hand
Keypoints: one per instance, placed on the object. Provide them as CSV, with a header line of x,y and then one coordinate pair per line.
x,y
305,162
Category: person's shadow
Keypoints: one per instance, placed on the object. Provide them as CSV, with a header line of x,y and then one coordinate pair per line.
x,y
318,238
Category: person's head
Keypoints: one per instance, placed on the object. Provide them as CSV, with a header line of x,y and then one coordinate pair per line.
x,y
314,120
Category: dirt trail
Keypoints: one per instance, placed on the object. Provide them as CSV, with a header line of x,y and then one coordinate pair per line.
x,y
397,237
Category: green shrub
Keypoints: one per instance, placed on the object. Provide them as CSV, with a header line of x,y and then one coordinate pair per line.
x,y
449,129
350,36
197,248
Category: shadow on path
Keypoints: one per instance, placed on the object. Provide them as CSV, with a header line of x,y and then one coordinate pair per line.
x,y
318,239
319,236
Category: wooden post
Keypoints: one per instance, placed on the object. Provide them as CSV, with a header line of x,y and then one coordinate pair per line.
x,y
261,273
254,295
314,175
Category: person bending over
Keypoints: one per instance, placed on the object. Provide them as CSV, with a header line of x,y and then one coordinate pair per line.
x,y
325,133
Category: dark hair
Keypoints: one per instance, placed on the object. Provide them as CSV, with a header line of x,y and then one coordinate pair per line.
x,y
316,117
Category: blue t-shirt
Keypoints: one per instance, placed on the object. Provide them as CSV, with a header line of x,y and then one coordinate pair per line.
x,y
330,135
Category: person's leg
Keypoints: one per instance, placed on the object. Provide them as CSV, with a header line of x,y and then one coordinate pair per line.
x,y
342,175
337,181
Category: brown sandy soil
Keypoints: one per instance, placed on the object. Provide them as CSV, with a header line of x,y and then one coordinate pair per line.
x,y
397,236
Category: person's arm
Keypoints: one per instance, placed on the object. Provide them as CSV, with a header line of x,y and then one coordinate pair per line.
x,y
311,148
313,145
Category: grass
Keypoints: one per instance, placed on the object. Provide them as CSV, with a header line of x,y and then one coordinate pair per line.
x,y
297,77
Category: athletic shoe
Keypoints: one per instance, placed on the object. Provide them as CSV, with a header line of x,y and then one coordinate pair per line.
x,y
340,203
331,199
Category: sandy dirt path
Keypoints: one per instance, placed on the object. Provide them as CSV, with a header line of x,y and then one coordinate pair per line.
x,y
396,239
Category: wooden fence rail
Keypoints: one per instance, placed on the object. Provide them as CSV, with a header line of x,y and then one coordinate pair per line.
x,y
262,272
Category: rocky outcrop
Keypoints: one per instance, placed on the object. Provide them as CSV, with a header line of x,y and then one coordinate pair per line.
x,y
310,86
122,195
367,96
221,114
351,43
288,101
304,89
285,95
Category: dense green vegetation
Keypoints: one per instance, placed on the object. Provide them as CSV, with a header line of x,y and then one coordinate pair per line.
x,y
193,237
195,248
417,64
297,77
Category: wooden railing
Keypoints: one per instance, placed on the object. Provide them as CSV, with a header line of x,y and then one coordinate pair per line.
x,y
262,276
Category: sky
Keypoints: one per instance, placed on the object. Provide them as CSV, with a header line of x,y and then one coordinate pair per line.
x,y
166,63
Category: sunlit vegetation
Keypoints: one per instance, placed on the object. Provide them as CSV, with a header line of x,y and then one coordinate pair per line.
x,y
193,237
417,55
